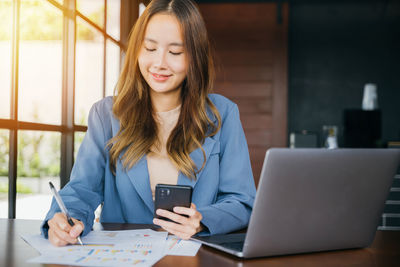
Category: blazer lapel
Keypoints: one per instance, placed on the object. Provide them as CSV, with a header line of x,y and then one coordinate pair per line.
x,y
139,177
139,174
197,157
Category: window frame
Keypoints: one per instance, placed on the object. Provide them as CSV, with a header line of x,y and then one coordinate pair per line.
x,y
68,126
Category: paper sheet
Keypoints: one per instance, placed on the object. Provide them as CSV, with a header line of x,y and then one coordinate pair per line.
x,y
104,255
179,247
115,237
113,248
99,238
39,243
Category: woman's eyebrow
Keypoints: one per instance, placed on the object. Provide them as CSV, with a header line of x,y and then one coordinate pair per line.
x,y
170,44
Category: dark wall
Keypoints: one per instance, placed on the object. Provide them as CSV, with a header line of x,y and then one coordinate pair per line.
x,y
335,47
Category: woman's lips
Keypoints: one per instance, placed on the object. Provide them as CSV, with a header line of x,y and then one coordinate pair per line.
x,y
160,77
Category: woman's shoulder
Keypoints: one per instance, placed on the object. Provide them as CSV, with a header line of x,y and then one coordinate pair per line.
x,y
102,109
102,114
104,106
223,104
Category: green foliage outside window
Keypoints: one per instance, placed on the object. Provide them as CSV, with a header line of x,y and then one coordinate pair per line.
x,y
39,20
21,188
33,163
30,162
4,136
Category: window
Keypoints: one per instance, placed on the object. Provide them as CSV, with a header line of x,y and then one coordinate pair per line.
x,y
4,140
6,11
40,62
89,69
57,59
38,163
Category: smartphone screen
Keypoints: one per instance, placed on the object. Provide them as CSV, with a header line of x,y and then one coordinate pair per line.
x,y
169,196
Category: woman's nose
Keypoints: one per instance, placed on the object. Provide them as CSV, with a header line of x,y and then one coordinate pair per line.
x,y
160,60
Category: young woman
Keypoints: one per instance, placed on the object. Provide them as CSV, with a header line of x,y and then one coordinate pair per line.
x,y
162,126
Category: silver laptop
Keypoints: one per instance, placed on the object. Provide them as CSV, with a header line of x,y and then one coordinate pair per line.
x,y
312,200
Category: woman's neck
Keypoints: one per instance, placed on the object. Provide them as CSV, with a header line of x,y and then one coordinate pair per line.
x,y
165,101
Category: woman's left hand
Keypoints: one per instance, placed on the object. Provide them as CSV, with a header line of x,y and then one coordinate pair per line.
x,y
183,227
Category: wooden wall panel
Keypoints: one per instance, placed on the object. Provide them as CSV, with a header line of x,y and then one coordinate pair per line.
x,y
251,58
244,88
244,57
238,73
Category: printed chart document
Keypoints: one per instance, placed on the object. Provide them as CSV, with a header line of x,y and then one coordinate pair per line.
x,y
103,256
113,248
105,248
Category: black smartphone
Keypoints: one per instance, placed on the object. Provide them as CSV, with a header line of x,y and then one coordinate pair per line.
x,y
169,196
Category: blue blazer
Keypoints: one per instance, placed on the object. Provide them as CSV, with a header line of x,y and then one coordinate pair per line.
x,y
223,192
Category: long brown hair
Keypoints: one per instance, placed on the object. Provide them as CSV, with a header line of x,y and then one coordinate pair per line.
x,y
132,104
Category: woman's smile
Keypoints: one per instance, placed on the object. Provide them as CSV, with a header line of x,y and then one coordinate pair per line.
x,y
160,77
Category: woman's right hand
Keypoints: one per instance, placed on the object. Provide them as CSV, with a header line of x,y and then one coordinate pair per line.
x,y
61,233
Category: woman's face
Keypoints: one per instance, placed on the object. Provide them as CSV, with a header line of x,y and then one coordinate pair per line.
x,y
162,59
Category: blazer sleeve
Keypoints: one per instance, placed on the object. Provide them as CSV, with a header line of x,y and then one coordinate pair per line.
x,y
84,192
236,191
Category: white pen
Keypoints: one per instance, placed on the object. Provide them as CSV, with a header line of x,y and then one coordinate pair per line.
x,y
63,208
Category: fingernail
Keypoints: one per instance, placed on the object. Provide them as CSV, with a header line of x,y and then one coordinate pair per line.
x,y
159,212
155,221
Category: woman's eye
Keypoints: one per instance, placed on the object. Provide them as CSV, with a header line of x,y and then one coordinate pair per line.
x,y
175,53
150,49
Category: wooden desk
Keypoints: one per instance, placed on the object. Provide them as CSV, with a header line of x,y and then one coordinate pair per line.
x,y
384,251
